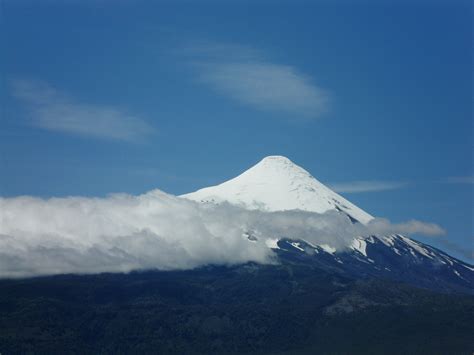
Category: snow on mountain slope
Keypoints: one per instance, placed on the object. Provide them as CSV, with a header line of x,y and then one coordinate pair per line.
x,y
393,257
277,184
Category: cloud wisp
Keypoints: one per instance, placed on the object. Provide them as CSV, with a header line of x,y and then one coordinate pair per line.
x,y
459,180
244,75
53,110
382,226
156,230
367,186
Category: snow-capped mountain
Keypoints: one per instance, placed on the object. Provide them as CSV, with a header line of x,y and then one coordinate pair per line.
x,y
277,184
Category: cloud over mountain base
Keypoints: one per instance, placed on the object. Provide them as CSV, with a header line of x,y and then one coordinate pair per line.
x,y
156,230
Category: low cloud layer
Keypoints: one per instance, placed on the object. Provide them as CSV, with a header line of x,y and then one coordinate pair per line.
x,y
245,75
53,110
121,233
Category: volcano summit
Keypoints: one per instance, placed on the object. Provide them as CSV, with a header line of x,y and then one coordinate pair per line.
x,y
278,184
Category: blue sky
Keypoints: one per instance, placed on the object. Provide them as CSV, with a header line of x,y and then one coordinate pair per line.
x,y
373,98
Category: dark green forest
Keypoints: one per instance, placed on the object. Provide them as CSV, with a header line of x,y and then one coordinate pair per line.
x,y
250,309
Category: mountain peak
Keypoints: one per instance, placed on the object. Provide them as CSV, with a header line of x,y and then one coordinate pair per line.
x,y
279,163
276,159
278,184
275,167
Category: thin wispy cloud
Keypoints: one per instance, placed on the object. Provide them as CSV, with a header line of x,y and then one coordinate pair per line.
x,y
459,180
54,110
367,186
245,75
383,226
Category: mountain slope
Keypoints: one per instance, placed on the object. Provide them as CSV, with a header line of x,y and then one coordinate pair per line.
x,y
277,184
394,257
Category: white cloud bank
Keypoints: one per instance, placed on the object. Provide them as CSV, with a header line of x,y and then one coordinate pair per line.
x,y
53,110
243,74
121,233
